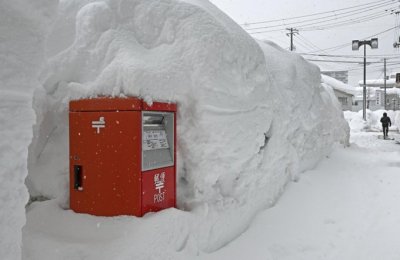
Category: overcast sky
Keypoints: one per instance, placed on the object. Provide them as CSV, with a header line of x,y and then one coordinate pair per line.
x,y
311,40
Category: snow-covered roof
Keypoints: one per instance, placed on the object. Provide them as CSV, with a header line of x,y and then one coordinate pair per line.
x,y
337,85
390,81
371,92
391,91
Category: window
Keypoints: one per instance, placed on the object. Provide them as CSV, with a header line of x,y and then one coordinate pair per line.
x,y
343,100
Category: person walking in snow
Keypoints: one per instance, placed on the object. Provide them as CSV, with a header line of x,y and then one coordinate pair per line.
x,y
385,120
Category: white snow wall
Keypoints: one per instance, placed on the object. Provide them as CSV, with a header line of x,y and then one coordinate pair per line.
x,y
372,122
250,118
23,26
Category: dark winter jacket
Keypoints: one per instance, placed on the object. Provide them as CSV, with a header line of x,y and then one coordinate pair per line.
x,y
385,120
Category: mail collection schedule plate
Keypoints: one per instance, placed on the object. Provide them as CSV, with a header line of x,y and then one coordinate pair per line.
x,y
157,139
154,139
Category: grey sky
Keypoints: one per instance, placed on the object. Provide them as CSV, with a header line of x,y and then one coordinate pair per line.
x,y
258,10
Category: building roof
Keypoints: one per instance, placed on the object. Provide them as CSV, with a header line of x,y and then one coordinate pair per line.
x,y
338,85
371,92
390,81
391,91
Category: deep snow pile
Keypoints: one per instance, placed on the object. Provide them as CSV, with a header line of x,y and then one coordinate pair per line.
x,y
23,25
372,122
251,117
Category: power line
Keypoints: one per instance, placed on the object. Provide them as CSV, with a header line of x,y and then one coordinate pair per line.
x,y
334,48
396,56
378,61
309,43
304,45
336,16
360,19
374,67
311,27
376,64
316,14
342,61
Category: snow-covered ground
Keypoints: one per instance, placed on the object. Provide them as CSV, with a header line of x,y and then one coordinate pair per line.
x,y
345,208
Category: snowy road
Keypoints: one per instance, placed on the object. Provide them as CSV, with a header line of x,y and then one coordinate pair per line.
x,y
347,208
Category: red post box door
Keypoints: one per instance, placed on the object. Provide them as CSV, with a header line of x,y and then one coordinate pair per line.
x,y
158,189
105,167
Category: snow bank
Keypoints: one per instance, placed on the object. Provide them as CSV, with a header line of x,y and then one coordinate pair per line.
x,y
251,115
297,92
23,27
372,123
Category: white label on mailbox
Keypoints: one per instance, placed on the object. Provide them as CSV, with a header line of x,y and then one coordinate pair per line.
x,y
154,139
159,181
101,123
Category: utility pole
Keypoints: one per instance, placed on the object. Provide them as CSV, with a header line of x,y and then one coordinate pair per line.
x,y
291,33
384,81
396,44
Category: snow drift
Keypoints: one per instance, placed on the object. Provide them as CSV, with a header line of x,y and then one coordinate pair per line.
x,y
372,122
23,25
251,115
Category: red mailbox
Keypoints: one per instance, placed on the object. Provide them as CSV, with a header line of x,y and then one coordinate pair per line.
x,y
122,156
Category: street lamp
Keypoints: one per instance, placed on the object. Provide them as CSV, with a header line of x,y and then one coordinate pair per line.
x,y
355,46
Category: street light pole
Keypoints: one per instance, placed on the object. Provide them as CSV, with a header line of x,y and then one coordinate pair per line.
x,y
365,84
355,46
384,81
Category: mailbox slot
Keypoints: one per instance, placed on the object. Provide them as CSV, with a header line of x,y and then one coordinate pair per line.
x,y
77,177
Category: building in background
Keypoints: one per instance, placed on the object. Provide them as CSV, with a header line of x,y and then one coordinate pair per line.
x,y
392,98
344,92
341,75
345,99
376,93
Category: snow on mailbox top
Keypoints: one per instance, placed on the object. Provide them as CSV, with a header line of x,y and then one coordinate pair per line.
x,y
120,104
